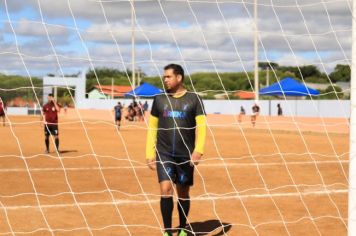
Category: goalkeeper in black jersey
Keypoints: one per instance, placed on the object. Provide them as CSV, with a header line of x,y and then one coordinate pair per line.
x,y
175,143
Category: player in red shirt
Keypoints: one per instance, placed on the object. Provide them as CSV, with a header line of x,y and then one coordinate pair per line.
x,y
2,112
255,113
50,113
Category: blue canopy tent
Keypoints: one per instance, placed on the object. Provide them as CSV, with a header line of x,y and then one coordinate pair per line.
x,y
144,90
288,87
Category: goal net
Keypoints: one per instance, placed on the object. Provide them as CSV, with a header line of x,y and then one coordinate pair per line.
x,y
281,171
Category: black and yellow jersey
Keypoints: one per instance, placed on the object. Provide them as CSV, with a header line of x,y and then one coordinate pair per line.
x,y
172,125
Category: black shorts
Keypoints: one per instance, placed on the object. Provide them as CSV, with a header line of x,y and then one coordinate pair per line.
x,y
51,130
176,169
2,114
117,118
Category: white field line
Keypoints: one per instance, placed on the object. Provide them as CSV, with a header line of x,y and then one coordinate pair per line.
x,y
199,166
123,202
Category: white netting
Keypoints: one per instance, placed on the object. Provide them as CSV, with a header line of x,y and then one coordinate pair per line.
x,y
286,176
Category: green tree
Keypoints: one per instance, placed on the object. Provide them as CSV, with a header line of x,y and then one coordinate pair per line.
x,y
341,73
270,65
13,86
309,70
302,72
331,93
105,76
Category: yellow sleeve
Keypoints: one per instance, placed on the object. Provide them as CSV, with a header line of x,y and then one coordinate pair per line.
x,y
151,138
201,134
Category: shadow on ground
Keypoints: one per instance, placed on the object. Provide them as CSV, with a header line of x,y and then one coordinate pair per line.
x,y
209,227
67,151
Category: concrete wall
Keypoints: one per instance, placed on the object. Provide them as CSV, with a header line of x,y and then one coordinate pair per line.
x,y
20,111
302,108
77,82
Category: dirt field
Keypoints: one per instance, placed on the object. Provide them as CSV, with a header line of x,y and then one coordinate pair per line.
x,y
283,177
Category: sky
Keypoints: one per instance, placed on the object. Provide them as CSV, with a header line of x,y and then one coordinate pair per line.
x,y
38,37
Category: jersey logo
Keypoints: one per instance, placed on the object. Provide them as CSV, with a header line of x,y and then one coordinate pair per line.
x,y
169,171
175,114
182,178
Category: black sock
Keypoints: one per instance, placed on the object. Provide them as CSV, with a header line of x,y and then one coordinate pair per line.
x,y
56,141
47,143
166,211
183,209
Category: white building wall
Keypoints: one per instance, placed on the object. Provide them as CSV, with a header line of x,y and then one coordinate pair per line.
x,y
303,108
19,111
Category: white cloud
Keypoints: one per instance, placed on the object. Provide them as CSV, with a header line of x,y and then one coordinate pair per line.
x,y
25,27
152,17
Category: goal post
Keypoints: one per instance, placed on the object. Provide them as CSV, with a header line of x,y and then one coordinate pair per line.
x,y
352,164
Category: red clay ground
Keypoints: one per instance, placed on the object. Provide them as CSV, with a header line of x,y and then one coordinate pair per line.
x,y
282,177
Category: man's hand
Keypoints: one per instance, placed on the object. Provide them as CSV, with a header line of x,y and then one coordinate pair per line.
x,y
151,164
58,109
196,156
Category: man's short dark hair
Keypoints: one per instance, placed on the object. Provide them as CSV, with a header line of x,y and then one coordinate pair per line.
x,y
50,94
177,69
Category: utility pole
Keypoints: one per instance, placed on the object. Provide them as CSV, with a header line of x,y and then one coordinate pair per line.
x,y
133,43
352,163
256,88
112,88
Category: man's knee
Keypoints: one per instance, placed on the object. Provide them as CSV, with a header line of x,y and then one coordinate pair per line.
x,y
183,191
166,188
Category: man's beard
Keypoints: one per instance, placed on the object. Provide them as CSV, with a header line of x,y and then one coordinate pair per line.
x,y
167,90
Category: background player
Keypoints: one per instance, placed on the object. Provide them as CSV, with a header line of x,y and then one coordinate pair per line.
x,y
50,112
255,113
241,114
118,112
279,110
176,147
2,112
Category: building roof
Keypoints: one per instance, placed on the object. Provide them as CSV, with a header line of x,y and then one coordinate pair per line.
x,y
20,102
116,90
245,94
